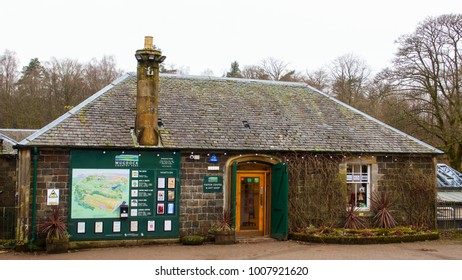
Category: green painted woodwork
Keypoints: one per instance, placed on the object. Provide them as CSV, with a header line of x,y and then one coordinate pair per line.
x,y
279,202
103,182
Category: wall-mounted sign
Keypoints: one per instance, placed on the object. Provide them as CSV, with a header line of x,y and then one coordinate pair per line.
x,y
213,184
120,194
213,159
52,197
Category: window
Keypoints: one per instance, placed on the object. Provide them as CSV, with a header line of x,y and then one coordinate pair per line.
x,y
358,185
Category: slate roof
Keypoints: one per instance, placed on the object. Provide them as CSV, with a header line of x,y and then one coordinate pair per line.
x,y
11,137
211,113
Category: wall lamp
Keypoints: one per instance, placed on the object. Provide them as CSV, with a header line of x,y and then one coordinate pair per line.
x,y
151,57
139,57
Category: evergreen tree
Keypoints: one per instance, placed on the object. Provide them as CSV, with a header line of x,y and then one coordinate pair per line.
x,y
235,72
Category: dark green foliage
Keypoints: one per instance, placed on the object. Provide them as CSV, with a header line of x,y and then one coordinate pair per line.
x,y
234,72
192,240
365,236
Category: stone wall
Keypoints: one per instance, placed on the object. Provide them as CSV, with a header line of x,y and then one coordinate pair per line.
x,y
52,172
412,180
199,210
8,178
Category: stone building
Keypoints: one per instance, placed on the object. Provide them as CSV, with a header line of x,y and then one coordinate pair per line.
x,y
8,178
161,156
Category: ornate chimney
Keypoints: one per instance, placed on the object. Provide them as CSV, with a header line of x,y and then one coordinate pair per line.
x,y
147,93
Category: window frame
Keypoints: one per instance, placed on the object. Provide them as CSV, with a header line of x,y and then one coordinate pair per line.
x,y
363,178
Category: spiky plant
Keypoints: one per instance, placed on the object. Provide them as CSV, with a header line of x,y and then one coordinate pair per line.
x,y
382,204
224,224
353,221
55,227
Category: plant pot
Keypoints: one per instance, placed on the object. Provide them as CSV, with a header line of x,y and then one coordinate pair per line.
x,y
56,246
225,237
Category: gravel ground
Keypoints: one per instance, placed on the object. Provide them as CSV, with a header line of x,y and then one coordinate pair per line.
x,y
266,250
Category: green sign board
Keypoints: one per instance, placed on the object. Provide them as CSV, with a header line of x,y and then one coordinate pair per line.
x,y
213,184
124,194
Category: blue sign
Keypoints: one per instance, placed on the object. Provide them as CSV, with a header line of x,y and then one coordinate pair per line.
x,y
213,159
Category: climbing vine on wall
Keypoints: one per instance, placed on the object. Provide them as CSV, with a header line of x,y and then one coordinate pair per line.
x,y
317,195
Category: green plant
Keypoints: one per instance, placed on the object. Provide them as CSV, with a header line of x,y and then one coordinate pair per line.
x,y
192,240
382,203
353,221
55,228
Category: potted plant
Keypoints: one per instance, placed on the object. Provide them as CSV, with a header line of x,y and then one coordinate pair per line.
x,y
57,237
223,230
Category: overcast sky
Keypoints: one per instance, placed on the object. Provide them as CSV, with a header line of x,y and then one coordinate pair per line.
x,y
208,34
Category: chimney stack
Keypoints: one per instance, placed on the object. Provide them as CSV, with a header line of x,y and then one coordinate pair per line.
x,y
147,93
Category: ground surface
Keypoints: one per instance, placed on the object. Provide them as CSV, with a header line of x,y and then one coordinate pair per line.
x,y
444,249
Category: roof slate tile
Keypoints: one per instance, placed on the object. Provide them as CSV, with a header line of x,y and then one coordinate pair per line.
x,y
208,113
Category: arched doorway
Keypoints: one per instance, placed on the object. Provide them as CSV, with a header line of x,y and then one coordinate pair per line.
x,y
253,192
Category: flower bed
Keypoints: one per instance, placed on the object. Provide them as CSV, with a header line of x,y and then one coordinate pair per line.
x,y
364,236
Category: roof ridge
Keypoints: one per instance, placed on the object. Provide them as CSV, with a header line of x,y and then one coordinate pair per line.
x,y
242,80
17,129
74,110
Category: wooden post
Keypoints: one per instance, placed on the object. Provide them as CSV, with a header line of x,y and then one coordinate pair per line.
x,y
24,191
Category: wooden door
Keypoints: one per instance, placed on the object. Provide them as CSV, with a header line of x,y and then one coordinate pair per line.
x,y
251,202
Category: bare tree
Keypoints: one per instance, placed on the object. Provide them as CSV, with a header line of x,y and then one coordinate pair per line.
x,y
274,68
319,79
8,79
100,73
349,79
427,73
254,72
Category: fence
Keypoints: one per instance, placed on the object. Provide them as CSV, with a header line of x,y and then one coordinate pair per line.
x,y
7,226
449,215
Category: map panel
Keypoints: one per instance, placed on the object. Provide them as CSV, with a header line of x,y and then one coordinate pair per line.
x,y
99,193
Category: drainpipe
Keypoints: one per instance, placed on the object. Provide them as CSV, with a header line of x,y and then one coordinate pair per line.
x,y
34,197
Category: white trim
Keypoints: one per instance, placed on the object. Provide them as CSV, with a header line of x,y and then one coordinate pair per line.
x,y
74,110
8,139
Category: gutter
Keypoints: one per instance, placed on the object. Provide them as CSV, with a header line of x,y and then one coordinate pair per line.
x,y
34,198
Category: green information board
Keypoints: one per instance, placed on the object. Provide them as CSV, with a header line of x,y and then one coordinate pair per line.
x,y
124,195
213,184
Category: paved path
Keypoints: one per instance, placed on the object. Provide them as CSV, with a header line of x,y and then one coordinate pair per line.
x,y
268,250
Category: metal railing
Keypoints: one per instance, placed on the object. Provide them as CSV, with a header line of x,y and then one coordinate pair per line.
x,y
8,226
449,215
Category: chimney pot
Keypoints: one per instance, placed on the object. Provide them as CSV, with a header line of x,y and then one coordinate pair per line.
x,y
148,42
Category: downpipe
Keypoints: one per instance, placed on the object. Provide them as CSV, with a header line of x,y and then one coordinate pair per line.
x,y
34,197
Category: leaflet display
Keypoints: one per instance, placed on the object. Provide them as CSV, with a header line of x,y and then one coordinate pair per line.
x,y
123,195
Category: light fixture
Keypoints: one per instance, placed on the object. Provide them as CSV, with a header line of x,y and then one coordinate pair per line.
x,y
151,57
162,58
139,57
